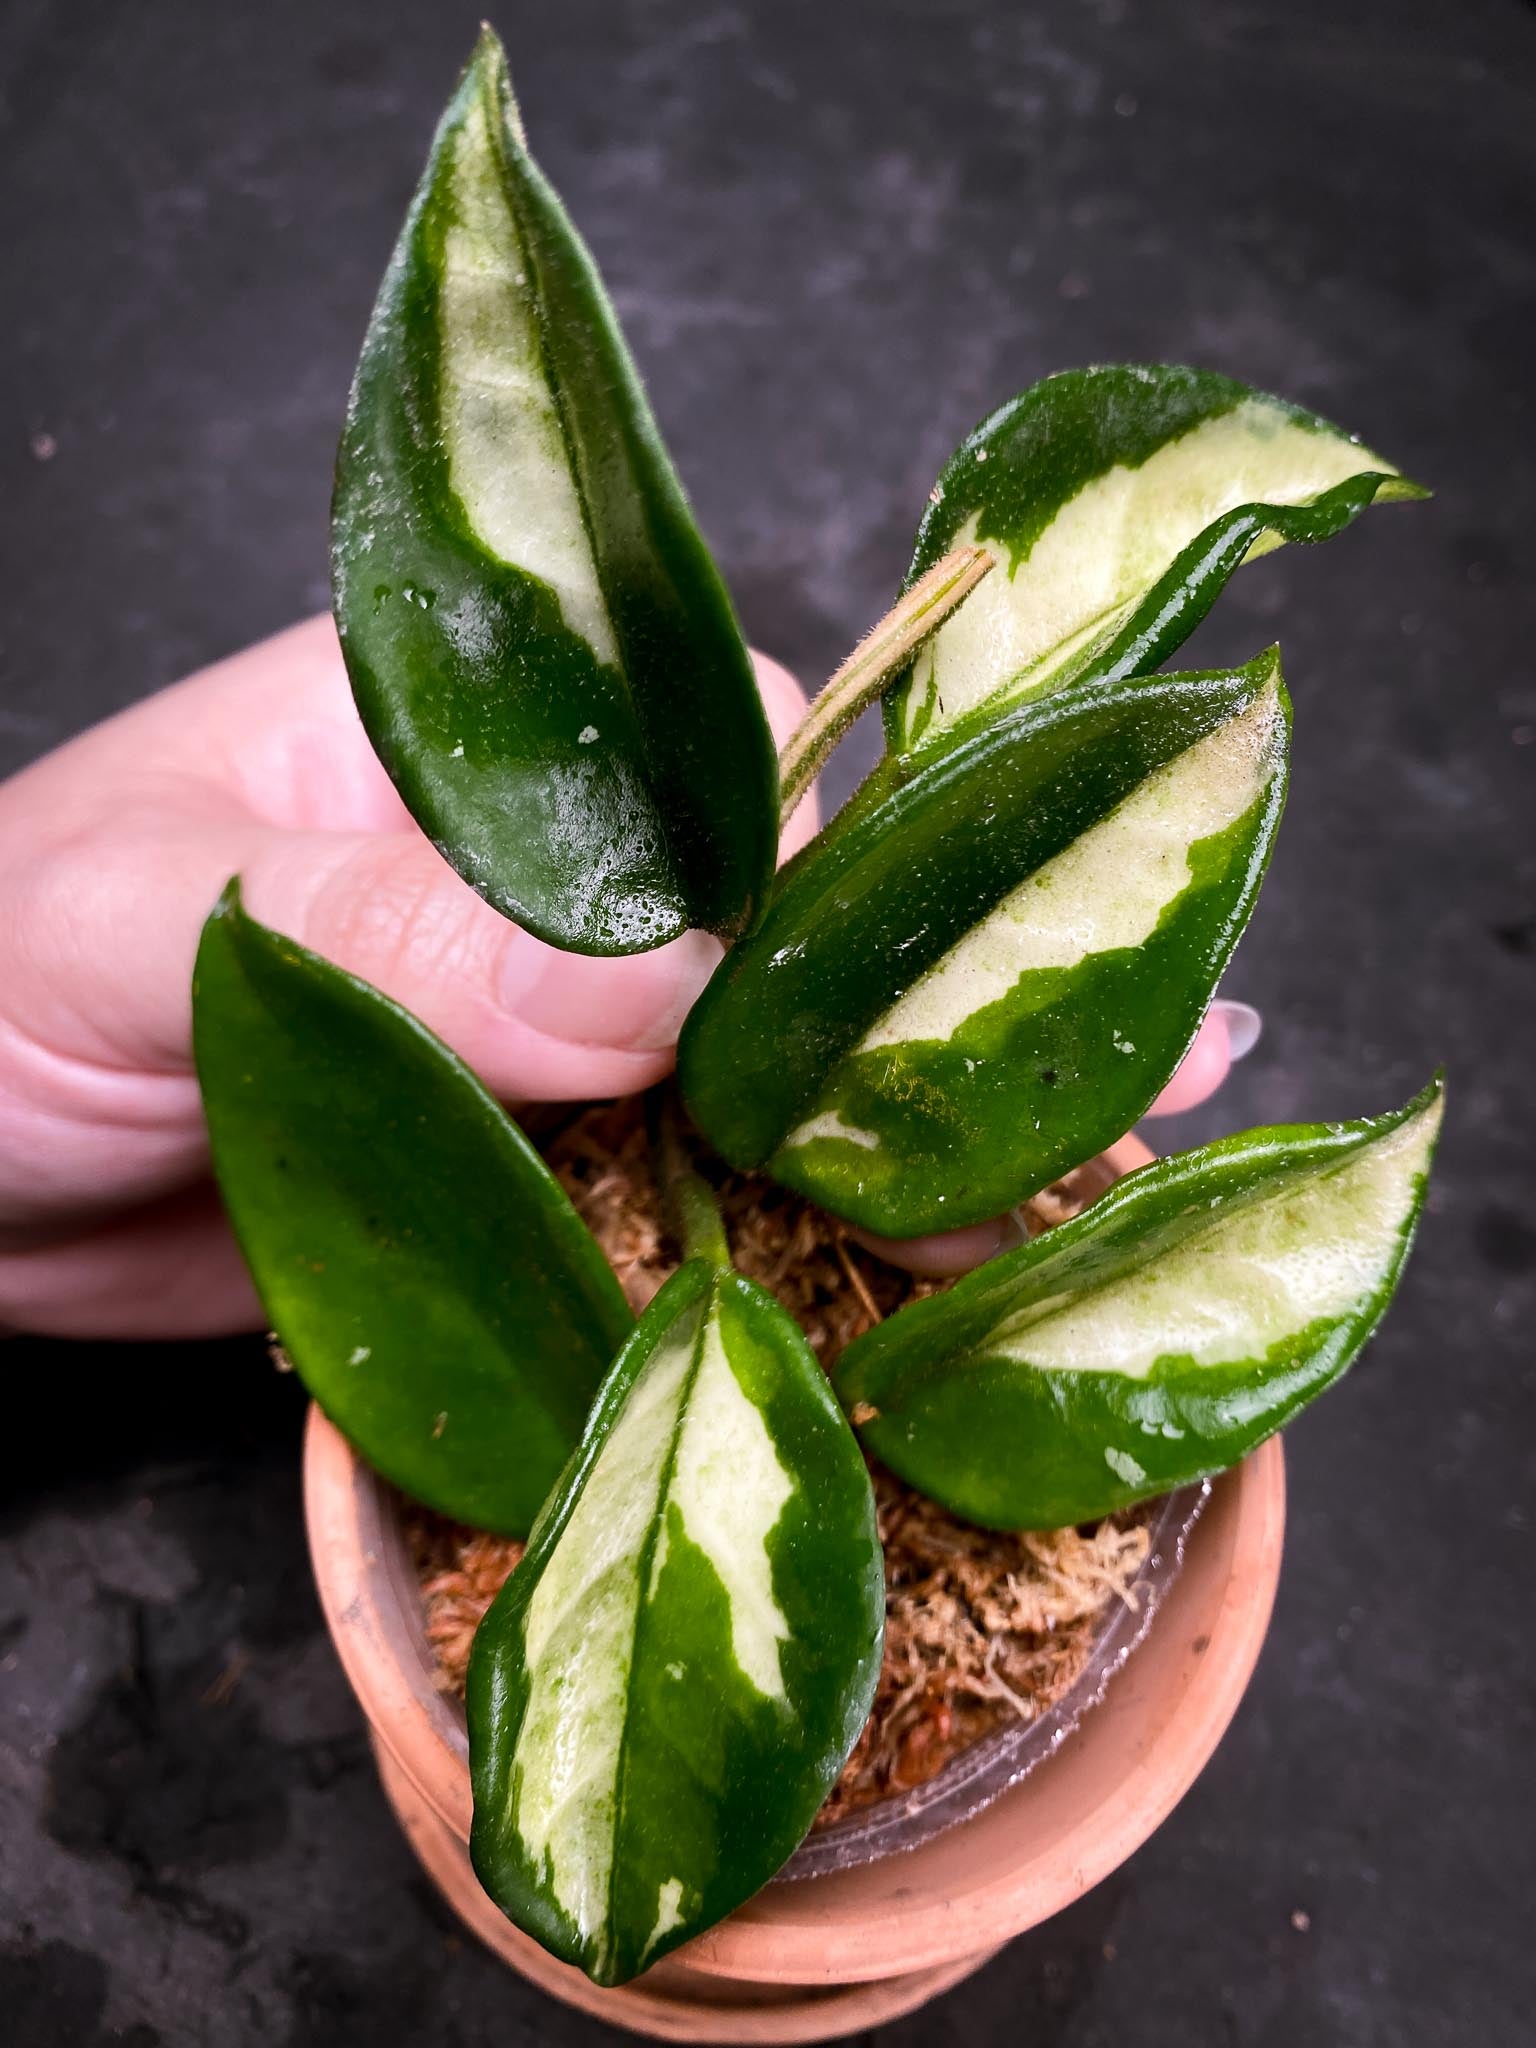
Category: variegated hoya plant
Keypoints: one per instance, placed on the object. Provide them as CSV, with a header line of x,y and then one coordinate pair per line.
x,y
974,978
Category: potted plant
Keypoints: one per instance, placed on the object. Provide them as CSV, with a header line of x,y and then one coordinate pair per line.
x,y
972,981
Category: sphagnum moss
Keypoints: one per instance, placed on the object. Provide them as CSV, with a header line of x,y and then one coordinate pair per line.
x,y
982,1626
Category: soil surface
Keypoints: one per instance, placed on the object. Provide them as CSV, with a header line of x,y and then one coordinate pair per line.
x,y
981,1627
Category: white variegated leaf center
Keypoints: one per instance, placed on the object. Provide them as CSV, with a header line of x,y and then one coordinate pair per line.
x,y
579,1637
1318,1248
1108,890
507,459
687,1442
730,1488
1108,545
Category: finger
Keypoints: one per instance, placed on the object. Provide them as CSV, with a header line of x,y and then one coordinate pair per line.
x,y
116,847
533,1023
785,703
98,1103
273,727
102,976
168,1269
276,724
947,1252
1229,1032
281,724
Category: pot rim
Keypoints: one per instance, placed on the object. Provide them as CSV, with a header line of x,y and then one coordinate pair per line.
x,y
966,1889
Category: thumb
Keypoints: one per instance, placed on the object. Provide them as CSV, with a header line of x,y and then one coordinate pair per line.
x,y
113,861
102,936
534,1023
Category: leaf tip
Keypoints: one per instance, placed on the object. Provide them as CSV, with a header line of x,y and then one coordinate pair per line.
x,y
1403,490
489,49
230,903
1429,1103
488,63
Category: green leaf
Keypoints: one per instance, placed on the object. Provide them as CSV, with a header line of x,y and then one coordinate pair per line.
x,y
542,651
983,973
1156,1338
1121,499
434,1288
670,1682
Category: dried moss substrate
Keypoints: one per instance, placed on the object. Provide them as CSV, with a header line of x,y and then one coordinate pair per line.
x,y
980,1626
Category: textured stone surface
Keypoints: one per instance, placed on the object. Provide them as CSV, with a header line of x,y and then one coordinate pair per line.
x,y
838,235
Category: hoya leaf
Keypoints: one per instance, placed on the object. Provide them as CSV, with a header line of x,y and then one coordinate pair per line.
x,y
668,1685
426,1273
1121,499
982,975
1156,1338
541,648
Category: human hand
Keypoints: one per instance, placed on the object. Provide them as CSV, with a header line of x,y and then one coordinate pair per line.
x,y
113,850
112,853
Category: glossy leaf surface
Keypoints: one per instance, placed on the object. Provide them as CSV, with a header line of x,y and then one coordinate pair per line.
x,y
669,1683
1121,498
1156,1338
986,970
541,648
426,1273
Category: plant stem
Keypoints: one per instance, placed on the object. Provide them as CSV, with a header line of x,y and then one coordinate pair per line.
x,y
688,1201
871,665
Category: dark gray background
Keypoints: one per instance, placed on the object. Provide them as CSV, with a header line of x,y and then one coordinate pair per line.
x,y
838,235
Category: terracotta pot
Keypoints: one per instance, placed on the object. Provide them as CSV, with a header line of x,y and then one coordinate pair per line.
x,y
818,1957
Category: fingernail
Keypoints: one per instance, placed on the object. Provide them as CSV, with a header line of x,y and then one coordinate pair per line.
x,y
1245,1027
637,1004
1013,1230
